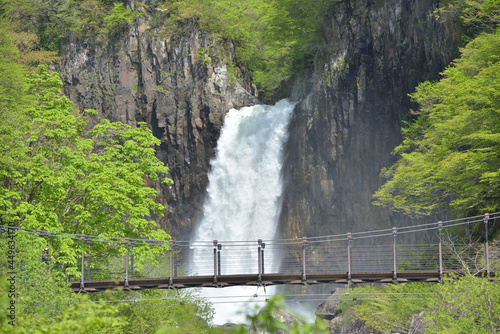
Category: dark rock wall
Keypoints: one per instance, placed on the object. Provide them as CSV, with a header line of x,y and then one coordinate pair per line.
x,y
342,132
168,82
347,124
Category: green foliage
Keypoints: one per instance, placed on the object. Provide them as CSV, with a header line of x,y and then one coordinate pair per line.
x,y
44,303
391,307
42,299
118,19
461,304
161,311
53,20
268,321
274,39
12,86
475,16
465,304
450,154
59,176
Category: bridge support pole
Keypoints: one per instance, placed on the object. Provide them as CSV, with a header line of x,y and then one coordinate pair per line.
x,y
82,286
259,260
394,259
304,245
440,229
171,255
88,260
349,241
262,256
486,249
176,248
215,262
132,244
219,248
126,263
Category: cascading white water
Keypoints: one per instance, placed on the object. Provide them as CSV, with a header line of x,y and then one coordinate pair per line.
x,y
244,190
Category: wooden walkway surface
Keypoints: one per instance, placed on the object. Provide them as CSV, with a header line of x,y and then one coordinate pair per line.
x,y
263,280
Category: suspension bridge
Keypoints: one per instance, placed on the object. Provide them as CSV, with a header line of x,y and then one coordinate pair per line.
x,y
379,256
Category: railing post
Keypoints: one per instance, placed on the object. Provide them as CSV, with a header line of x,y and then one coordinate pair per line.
x,y
486,249
304,244
219,248
38,234
215,261
132,244
440,229
126,264
259,260
349,241
82,286
262,256
394,259
171,279
176,247
88,260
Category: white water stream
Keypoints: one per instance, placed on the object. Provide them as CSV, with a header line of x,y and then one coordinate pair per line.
x,y
243,198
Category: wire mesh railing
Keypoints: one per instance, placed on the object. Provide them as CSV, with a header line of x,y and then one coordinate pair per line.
x,y
362,252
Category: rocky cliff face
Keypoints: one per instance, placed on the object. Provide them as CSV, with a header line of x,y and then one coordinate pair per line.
x,y
174,86
342,132
347,124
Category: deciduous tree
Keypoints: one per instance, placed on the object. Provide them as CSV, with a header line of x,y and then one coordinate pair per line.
x,y
450,154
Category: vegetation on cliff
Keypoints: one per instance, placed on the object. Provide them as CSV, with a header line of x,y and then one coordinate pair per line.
x,y
474,16
273,40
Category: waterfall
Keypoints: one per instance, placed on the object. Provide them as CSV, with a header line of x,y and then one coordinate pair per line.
x,y
245,186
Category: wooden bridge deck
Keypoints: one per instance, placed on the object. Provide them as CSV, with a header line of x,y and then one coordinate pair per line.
x,y
264,280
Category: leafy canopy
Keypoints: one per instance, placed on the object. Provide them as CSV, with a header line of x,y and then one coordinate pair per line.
x,y
450,153
58,174
474,16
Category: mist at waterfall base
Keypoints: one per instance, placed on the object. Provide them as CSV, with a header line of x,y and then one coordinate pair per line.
x,y
243,203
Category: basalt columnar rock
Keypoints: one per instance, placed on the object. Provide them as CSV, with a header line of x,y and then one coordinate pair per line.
x,y
342,132
347,124
171,83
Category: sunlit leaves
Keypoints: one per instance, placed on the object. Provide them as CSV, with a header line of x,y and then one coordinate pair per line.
x,y
77,180
465,304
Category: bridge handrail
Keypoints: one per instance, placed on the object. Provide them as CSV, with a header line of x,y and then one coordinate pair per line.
x,y
313,239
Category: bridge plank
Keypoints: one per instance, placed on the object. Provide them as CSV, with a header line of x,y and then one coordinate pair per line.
x,y
266,279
